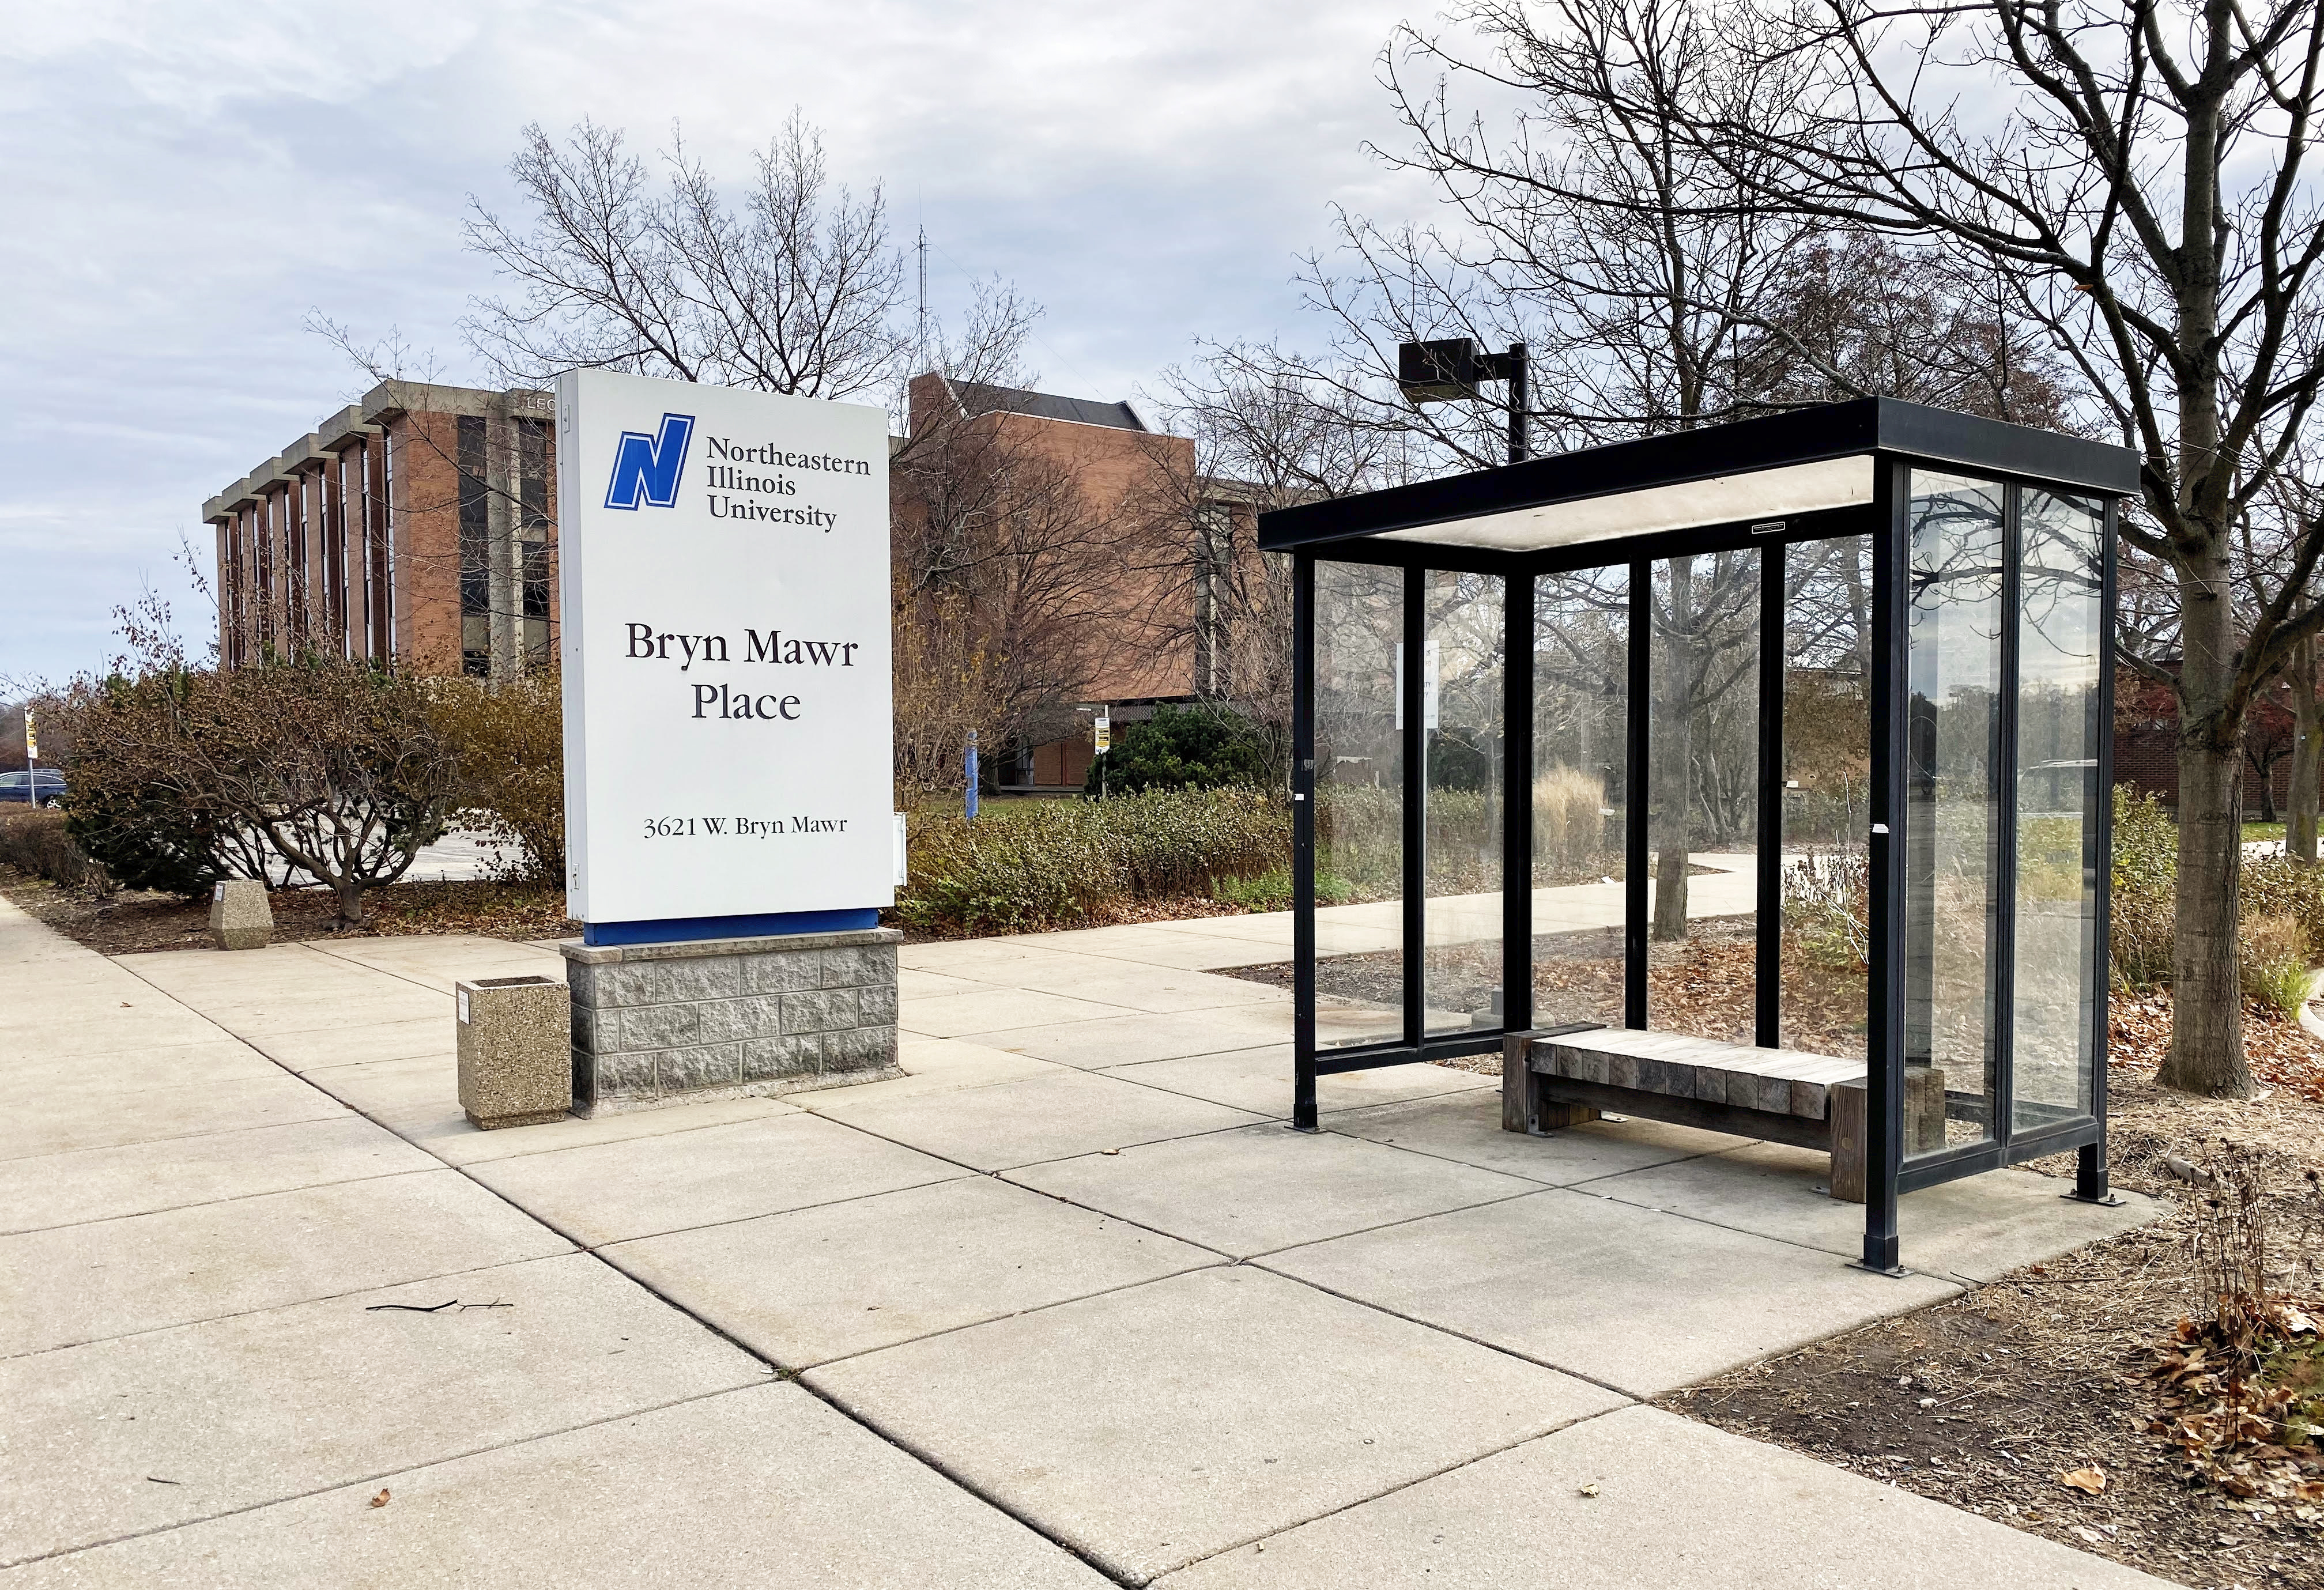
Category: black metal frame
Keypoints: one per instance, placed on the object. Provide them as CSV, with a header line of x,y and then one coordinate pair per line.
x,y
1898,438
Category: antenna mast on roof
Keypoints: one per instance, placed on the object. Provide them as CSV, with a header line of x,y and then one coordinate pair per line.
x,y
923,250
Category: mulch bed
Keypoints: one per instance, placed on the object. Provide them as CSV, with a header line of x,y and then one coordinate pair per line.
x,y
130,921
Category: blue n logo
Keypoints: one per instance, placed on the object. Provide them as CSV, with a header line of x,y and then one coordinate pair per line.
x,y
648,467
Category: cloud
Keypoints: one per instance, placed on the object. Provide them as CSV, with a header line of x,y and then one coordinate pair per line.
x,y
187,181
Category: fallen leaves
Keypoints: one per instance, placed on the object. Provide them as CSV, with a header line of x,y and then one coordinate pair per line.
x,y
380,1500
2090,1480
1588,1490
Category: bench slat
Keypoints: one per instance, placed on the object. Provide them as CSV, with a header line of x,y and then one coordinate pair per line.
x,y
1780,1082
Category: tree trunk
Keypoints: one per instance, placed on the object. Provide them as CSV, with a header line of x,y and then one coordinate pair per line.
x,y
2307,756
1670,754
2206,1007
2267,790
350,892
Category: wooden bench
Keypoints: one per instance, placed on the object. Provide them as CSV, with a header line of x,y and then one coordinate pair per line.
x,y
1562,1078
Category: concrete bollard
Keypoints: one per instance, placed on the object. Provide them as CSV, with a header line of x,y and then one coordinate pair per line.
x,y
240,917
516,1050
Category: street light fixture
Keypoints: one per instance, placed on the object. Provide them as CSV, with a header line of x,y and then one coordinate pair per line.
x,y
1451,370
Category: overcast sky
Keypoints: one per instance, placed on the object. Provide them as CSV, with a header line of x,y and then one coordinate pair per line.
x,y
188,182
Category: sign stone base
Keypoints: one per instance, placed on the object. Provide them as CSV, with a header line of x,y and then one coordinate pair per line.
x,y
730,1018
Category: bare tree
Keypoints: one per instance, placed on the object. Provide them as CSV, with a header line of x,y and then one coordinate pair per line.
x,y
1007,568
793,288
2147,192
1268,432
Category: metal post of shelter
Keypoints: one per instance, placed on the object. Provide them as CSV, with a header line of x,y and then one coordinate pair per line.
x,y
1302,841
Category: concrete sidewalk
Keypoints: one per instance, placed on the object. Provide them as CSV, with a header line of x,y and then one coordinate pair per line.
x,y
1065,1305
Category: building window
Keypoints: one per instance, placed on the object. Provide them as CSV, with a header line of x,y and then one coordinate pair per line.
x,y
476,551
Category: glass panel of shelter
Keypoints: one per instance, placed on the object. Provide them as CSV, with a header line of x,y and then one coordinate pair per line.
x,y
1359,717
1581,795
1462,703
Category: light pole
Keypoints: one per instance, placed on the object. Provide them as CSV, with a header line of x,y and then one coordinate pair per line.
x,y
1451,371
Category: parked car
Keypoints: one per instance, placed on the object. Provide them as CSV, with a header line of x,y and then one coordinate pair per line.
x,y
19,786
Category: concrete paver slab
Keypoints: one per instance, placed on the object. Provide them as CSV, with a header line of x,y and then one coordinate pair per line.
x,y
384,1088
438,961
143,1178
160,1023
1672,1502
1468,1128
1267,1187
821,1284
451,1137
78,1283
674,1181
218,1059
763,1486
1160,944
270,1404
1011,1123
1978,1228
300,1013
1163,1423
1126,1040
911,984
1630,1298
1147,987
960,1016
1260,1080
59,1121
361,1043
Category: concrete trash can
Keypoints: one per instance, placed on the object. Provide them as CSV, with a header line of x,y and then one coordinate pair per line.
x,y
240,917
516,1050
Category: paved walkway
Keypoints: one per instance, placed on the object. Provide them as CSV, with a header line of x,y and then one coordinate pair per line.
x,y
1065,1306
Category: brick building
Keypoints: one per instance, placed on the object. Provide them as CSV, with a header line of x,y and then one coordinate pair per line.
x,y
2146,746
1149,631
418,525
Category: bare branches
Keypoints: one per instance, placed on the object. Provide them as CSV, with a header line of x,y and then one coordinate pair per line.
x,y
793,290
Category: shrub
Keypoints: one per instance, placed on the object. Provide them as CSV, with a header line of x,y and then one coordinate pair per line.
x,y
2279,886
508,740
1271,890
1828,908
2144,888
1036,864
2274,955
1570,825
316,765
1202,748
36,841
137,804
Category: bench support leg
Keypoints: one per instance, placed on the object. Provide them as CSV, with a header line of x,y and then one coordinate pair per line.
x,y
1525,1105
1851,1128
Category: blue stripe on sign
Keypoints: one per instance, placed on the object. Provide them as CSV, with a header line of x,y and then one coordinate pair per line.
x,y
680,930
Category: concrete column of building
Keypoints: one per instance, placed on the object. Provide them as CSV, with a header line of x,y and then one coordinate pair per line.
x,y
333,498
506,597
379,561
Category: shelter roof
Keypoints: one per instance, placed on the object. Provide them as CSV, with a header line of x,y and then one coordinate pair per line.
x,y
1777,467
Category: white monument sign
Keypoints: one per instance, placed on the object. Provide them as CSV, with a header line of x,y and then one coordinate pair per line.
x,y
723,573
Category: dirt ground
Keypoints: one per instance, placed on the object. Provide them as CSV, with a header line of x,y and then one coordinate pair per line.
x,y
131,921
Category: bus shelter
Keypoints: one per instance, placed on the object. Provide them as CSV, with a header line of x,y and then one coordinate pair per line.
x,y
1753,776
